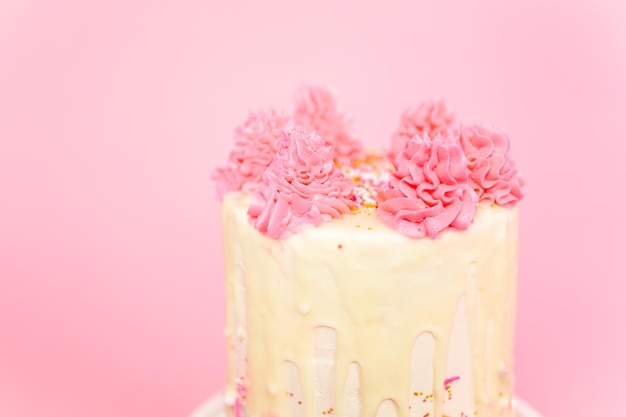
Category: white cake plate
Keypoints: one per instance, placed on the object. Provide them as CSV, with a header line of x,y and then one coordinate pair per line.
x,y
214,407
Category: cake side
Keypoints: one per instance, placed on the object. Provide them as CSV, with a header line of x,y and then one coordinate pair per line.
x,y
353,318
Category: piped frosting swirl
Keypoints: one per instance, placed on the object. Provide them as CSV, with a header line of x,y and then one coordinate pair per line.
x,y
430,189
430,117
493,174
317,108
254,150
302,186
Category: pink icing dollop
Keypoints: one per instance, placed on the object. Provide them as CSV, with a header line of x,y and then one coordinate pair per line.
x,y
493,174
317,108
430,117
302,186
255,146
430,189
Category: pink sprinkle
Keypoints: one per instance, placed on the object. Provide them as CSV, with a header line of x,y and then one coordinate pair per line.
x,y
238,407
451,379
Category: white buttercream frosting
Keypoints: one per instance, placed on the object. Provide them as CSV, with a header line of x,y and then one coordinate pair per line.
x,y
355,319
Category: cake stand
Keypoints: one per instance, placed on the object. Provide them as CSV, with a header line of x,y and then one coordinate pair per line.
x,y
214,407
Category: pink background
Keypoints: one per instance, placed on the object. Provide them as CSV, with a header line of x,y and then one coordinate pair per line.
x,y
113,115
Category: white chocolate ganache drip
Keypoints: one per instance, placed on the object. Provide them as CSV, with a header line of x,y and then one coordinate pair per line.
x,y
352,318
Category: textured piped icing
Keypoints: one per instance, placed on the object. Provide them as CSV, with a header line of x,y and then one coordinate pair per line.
x,y
318,108
254,150
430,117
430,189
365,286
301,186
493,174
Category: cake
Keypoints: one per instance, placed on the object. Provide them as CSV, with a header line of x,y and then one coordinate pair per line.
x,y
369,283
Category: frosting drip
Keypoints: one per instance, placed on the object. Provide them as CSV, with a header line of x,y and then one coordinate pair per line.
x,y
430,189
430,117
255,146
318,109
493,173
444,308
302,186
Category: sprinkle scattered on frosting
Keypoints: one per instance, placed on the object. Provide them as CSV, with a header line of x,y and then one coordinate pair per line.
x,y
370,176
254,150
430,189
451,379
318,109
302,186
430,117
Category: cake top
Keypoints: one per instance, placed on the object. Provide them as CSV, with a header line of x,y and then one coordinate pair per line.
x,y
308,167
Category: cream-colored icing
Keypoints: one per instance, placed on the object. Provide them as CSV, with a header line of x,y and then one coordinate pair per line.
x,y
351,314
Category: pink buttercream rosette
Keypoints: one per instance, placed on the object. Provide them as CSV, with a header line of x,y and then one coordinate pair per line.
x,y
430,190
317,108
430,117
302,186
493,174
255,146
